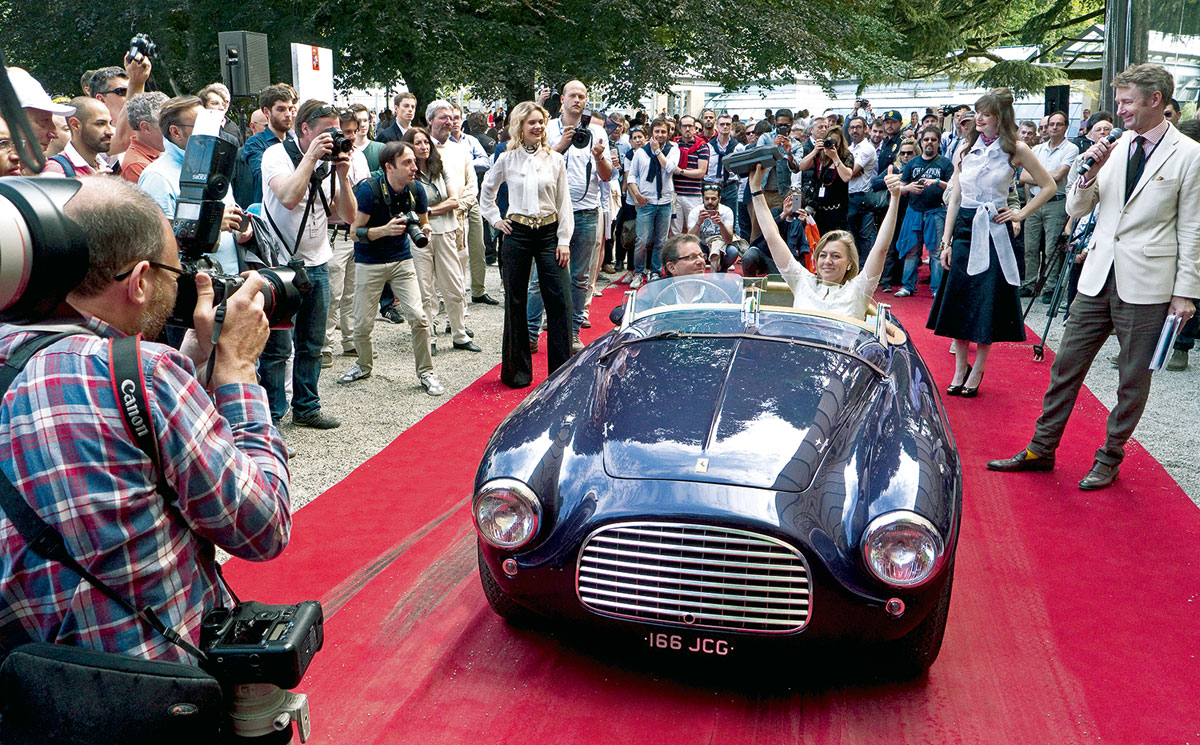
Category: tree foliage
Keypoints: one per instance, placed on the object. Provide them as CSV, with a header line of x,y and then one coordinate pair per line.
x,y
505,48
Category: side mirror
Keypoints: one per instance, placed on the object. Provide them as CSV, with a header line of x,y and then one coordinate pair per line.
x,y
883,313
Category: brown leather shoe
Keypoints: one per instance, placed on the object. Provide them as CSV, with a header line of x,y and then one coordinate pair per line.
x,y
1100,477
1022,461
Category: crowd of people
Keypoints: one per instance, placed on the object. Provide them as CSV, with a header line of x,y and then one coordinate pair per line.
x,y
401,223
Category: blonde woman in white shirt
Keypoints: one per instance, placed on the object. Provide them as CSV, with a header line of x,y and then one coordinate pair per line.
x,y
538,229
840,284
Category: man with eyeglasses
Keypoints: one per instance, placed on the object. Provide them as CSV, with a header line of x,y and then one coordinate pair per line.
x,y
220,455
719,148
160,179
1043,227
300,194
10,162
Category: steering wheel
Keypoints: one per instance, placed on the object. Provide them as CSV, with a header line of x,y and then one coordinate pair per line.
x,y
677,284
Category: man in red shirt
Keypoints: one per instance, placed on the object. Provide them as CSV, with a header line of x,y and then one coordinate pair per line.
x,y
147,142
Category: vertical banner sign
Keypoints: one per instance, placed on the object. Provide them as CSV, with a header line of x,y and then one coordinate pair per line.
x,y
312,72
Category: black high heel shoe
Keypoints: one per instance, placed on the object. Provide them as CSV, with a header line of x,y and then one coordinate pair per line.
x,y
971,392
957,390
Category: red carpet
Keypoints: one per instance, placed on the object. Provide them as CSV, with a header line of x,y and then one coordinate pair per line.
x,y
1073,620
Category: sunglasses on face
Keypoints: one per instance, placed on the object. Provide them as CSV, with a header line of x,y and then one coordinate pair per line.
x,y
122,91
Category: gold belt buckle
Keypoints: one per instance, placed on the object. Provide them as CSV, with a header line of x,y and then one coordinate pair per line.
x,y
534,222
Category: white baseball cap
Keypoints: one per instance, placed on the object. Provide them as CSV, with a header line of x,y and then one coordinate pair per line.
x,y
32,95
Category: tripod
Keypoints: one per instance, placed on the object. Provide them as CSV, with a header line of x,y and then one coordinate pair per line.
x,y
1066,251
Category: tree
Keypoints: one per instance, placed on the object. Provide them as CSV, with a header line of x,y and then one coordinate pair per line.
x,y
949,37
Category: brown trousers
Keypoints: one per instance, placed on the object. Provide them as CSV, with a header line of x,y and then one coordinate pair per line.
x,y
1092,320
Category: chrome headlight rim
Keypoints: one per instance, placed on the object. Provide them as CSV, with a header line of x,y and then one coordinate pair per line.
x,y
903,517
524,495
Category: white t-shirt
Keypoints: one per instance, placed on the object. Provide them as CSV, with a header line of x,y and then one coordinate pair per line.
x,y
708,228
314,247
865,156
585,193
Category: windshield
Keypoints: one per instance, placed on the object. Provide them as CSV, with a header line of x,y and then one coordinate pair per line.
x,y
703,289
729,305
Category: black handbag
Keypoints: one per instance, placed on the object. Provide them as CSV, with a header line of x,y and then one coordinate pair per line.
x,y
55,694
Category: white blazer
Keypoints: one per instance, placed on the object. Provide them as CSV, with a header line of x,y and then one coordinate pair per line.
x,y
1152,242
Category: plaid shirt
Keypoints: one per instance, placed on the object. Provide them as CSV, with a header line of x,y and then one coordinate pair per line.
x,y
64,446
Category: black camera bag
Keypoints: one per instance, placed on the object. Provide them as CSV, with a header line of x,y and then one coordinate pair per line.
x,y
56,694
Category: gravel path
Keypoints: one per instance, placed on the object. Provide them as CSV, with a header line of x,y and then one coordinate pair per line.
x,y
1173,399
377,410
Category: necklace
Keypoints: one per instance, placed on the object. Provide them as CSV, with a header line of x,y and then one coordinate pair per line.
x,y
987,140
531,149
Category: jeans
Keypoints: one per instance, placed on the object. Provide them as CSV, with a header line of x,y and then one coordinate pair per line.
x,y
861,219
583,244
653,220
922,228
309,336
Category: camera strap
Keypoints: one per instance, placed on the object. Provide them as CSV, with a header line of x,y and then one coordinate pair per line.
x,y
129,385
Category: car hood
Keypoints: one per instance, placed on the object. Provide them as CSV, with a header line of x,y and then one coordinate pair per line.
x,y
739,411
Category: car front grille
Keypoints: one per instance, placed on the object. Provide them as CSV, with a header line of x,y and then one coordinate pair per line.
x,y
695,576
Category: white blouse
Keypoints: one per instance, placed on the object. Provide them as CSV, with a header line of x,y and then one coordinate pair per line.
x,y
537,186
848,299
985,175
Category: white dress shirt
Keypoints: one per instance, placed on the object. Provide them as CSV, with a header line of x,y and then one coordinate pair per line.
x,y
537,187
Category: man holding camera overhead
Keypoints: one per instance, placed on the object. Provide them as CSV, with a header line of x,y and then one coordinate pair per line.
x,y
146,530
304,184
585,146
391,213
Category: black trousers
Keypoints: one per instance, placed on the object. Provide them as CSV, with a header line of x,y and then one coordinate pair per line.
x,y
518,252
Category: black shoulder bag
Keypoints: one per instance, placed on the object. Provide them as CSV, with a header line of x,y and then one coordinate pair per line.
x,y
55,694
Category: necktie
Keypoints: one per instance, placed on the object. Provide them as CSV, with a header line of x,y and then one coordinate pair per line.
x,y
1137,163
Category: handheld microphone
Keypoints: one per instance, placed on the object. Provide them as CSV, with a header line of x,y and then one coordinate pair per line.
x,y
1087,164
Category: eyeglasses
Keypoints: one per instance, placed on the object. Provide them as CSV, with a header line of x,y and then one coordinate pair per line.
x,y
122,91
125,274
691,257
8,145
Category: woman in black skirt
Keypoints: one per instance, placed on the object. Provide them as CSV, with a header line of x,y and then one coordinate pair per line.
x,y
978,301
537,229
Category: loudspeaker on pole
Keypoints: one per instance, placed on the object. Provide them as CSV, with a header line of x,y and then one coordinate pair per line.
x,y
244,63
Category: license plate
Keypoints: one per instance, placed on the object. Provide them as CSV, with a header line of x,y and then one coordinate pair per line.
x,y
703,645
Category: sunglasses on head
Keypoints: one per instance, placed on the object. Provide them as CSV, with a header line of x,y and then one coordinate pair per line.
x,y
321,113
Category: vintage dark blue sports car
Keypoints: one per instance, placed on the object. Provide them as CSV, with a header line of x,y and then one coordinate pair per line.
x,y
724,470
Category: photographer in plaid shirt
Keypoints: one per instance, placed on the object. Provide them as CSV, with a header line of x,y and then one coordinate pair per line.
x,y
64,446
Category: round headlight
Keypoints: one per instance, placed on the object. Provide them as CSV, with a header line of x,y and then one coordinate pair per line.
x,y
507,513
902,548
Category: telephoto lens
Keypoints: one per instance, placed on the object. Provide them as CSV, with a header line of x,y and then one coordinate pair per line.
x,y
414,231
